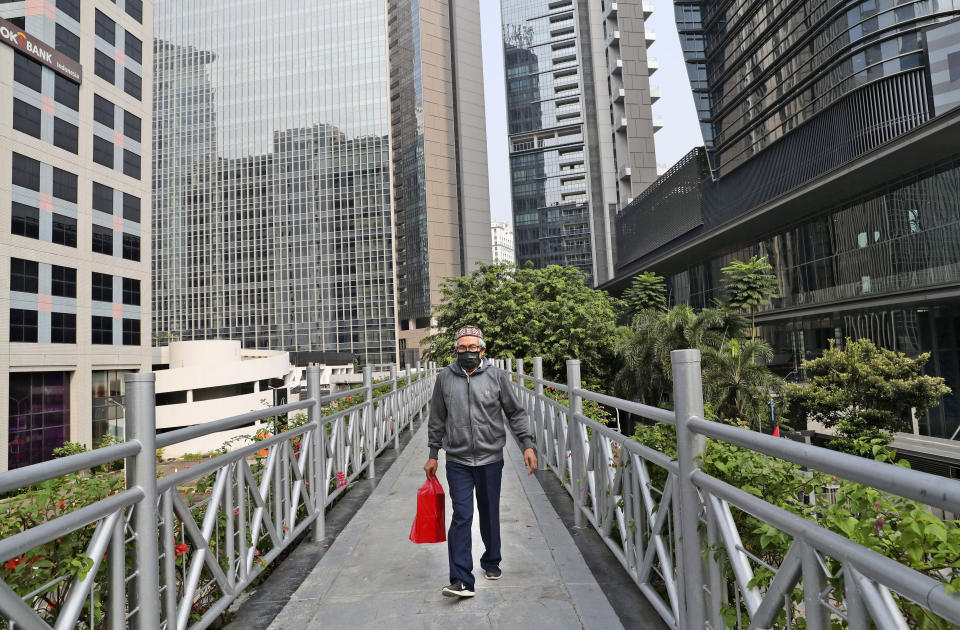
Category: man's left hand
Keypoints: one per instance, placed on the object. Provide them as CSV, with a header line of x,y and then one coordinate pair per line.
x,y
530,460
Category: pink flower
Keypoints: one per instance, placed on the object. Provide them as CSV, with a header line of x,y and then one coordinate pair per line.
x,y
236,511
879,524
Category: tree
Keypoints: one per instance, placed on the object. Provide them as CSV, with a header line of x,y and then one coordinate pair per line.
x,y
735,384
749,286
526,312
864,392
647,291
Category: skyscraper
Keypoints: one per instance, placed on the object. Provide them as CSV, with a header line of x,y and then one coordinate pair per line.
x,y
277,126
74,219
580,123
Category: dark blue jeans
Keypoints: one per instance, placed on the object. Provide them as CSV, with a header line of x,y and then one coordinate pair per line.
x,y
462,481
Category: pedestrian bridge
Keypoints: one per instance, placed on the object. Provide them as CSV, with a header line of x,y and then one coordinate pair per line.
x,y
184,550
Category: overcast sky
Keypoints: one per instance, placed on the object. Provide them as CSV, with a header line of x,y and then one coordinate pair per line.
x,y
680,132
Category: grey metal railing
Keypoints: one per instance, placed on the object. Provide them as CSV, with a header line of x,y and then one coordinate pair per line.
x,y
174,564
672,527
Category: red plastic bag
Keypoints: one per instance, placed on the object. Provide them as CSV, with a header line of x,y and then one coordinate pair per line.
x,y
428,526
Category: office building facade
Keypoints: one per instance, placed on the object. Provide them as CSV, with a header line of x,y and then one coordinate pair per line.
x,y
501,233
311,190
580,124
846,177
74,219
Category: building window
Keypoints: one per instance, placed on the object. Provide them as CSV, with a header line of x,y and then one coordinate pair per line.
x,y
102,198
101,330
63,328
64,185
39,416
66,92
132,83
28,72
24,275
26,172
131,126
131,247
102,287
70,7
102,240
23,326
64,230
104,66
131,332
26,118
65,135
134,9
131,208
103,152
103,111
25,221
105,28
131,164
108,400
64,281
132,47
131,292
67,43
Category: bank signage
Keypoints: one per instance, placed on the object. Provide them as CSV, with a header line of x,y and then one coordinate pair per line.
x,y
13,36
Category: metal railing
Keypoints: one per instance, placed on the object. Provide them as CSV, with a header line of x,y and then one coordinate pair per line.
x,y
672,527
170,563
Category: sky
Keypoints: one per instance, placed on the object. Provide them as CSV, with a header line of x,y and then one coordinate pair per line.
x,y
680,133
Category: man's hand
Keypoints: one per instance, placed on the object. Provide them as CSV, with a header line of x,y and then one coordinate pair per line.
x,y
530,460
431,467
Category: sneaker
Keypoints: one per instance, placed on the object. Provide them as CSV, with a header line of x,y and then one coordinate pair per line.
x,y
457,589
493,574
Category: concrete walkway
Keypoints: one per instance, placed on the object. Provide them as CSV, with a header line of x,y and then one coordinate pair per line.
x,y
374,577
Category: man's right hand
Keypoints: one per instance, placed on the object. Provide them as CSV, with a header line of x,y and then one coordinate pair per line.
x,y
430,468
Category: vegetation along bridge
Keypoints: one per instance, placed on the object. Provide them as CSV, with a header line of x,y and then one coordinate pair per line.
x,y
716,526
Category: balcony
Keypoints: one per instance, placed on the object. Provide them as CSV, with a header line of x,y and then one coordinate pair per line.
x,y
620,125
616,68
654,93
611,10
657,124
613,39
624,172
647,10
650,37
618,95
652,65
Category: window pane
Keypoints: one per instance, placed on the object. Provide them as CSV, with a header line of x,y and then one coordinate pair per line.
x,y
24,275
102,240
25,221
131,332
104,67
28,72
63,328
102,330
103,197
65,135
131,247
131,208
64,281
131,291
103,154
66,92
70,7
64,230
67,43
26,118
102,287
134,9
64,185
131,164
106,28
26,172
132,84
131,126
103,111
133,47
23,325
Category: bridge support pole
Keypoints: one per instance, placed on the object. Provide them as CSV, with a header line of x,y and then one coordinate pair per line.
x,y
369,422
394,421
535,415
688,402
140,420
319,454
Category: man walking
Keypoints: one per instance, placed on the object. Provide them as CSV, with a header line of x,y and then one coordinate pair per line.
x,y
470,400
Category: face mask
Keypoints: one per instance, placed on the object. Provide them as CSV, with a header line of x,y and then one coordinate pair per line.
x,y
469,360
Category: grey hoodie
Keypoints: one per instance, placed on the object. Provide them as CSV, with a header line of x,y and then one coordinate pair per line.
x,y
467,415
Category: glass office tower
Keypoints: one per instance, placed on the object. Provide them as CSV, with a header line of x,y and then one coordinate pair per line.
x,y
580,123
272,189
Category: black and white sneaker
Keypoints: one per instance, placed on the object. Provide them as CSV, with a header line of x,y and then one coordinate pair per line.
x,y
457,589
493,574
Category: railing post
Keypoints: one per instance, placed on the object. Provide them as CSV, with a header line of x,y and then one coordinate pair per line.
x,y
687,403
140,421
537,418
577,474
319,453
368,420
395,425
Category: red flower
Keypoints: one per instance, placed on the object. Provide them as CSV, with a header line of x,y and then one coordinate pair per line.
x,y
61,505
180,549
12,563
236,511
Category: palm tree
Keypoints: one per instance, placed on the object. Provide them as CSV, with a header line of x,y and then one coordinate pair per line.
x,y
749,286
647,291
738,386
